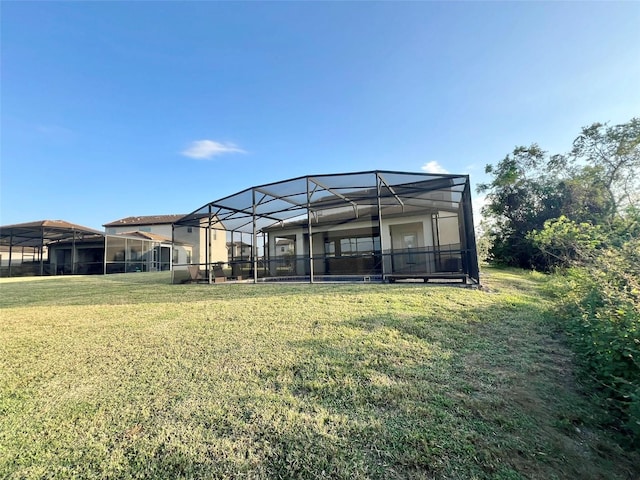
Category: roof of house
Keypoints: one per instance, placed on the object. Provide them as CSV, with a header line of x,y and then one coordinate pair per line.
x,y
146,236
144,220
285,241
238,244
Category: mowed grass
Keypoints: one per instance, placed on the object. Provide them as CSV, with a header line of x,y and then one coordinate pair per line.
x,y
126,376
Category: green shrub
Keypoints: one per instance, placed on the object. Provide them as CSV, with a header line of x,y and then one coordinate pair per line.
x,y
601,306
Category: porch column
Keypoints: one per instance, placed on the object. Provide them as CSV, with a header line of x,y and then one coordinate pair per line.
x,y
309,232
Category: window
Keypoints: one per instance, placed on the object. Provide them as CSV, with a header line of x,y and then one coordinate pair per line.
x,y
189,229
188,256
330,249
410,240
176,255
358,245
347,245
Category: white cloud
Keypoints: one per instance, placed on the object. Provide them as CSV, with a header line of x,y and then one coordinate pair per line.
x,y
205,149
433,167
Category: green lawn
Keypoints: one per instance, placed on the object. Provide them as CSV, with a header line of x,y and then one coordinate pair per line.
x,y
127,376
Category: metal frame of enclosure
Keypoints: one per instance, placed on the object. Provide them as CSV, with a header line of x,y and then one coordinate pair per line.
x,y
368,226
55,247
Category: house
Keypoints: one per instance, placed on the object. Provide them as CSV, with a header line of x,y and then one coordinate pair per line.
x,y
189,246
238,251
160,226
285,246
374,225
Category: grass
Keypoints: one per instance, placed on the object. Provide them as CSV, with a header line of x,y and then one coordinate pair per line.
x,y
126,376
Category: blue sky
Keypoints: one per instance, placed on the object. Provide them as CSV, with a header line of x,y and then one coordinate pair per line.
x,y
113,109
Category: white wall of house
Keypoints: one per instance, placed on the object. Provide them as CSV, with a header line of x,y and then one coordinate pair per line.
x,y
198,240
20,255
398,233
161,229
420,224
182,254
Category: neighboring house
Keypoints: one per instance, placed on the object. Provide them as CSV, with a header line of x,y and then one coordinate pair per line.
x,y
158,224
190,246
285,246
373,225
238,251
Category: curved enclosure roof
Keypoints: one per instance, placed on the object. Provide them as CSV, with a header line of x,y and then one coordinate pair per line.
x,y
352,195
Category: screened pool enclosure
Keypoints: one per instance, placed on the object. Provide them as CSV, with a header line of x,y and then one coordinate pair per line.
x,y
364,226
56,247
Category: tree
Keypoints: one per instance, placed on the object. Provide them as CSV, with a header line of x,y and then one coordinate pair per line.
x,y
585,196
615,153
522,195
